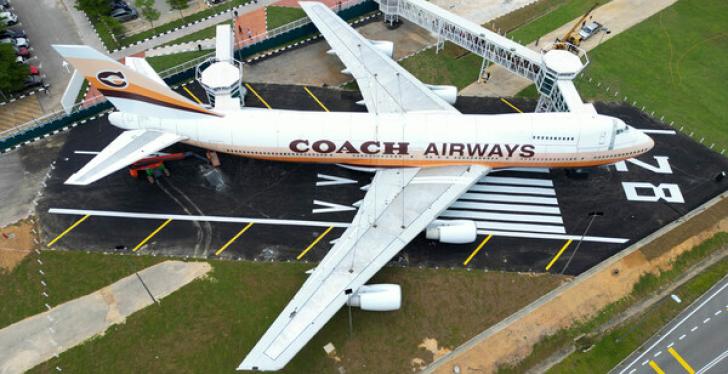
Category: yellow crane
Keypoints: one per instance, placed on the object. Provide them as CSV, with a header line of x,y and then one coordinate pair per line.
x,y
572,38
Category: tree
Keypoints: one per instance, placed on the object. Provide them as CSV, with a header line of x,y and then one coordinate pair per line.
x,y
148,11
12,74
95,9
179,5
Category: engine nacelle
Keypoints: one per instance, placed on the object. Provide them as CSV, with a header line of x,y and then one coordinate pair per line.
x,y
384,46
377,298
447,93
452,232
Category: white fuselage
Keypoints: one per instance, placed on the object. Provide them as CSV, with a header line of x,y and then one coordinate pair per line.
x,y
409,140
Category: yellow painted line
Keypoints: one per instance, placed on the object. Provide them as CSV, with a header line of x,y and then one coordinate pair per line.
x,y
258,96
316,99
224,247
681,360
152,234
68,230
511,105
656,368
318,239
558,254
191,94
475,252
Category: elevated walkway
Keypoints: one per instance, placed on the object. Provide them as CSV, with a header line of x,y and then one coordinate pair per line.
x,y
551,70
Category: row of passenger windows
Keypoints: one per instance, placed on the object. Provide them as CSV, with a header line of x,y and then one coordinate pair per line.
x,y
566,138
627,154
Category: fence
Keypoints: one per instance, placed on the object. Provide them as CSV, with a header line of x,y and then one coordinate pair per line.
x,y
58,121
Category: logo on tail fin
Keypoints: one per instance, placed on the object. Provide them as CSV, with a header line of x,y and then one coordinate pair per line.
x,y
115,79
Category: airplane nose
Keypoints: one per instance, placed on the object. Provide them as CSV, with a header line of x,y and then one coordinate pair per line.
x,y
648,142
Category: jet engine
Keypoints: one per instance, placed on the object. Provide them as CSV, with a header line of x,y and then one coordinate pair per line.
x,y
384,46
377,298
452,232
447,93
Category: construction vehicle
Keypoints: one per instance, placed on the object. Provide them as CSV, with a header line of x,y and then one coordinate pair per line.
x,y
572,38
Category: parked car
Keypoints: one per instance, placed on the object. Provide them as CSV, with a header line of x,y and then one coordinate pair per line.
x,y
8,18
116,4
123,14
4,4
33,81
34,70
12,33
21,51
17,42
588,30
21,59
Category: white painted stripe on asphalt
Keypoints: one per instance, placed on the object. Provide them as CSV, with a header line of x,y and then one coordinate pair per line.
x,y
632,371
718,312
502,216
670,345
713,363
721,288
661,132
520,227
706,320
681,337
694,328
183,217
517,181
507,207
509,189
531,235
658,353
509,198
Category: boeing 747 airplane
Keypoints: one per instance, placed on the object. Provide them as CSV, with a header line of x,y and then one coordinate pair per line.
x,y
424,152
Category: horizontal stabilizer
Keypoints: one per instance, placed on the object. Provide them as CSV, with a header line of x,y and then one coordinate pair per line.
x,y
129,147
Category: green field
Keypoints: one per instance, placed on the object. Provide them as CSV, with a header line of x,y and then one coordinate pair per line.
x,y
277,16
675,64
221,317
162,63
206,33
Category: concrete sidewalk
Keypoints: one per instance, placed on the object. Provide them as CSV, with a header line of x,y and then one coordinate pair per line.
x,y
34,340
617,16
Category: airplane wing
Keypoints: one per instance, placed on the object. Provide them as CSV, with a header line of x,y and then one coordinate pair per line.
x,y
127,148
384,84
399,205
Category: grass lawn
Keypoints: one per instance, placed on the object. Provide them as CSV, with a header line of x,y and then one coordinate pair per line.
x,y
648,285
206,33
162,63
453,65
675,63
460,68
68,275
209,325
277,16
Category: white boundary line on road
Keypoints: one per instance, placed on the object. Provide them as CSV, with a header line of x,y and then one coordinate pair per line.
x,y
676,326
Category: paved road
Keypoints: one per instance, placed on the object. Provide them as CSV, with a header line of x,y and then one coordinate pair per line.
x,y
47,22
694,342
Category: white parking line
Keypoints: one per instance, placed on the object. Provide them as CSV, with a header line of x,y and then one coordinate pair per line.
x,y
694,328
670,345
706,320
718,312
658,353
681,337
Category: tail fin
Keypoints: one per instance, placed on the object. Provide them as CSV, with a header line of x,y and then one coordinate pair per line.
x,y
128,90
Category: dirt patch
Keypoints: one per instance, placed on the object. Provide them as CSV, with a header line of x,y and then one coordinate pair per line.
x,y
16,242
